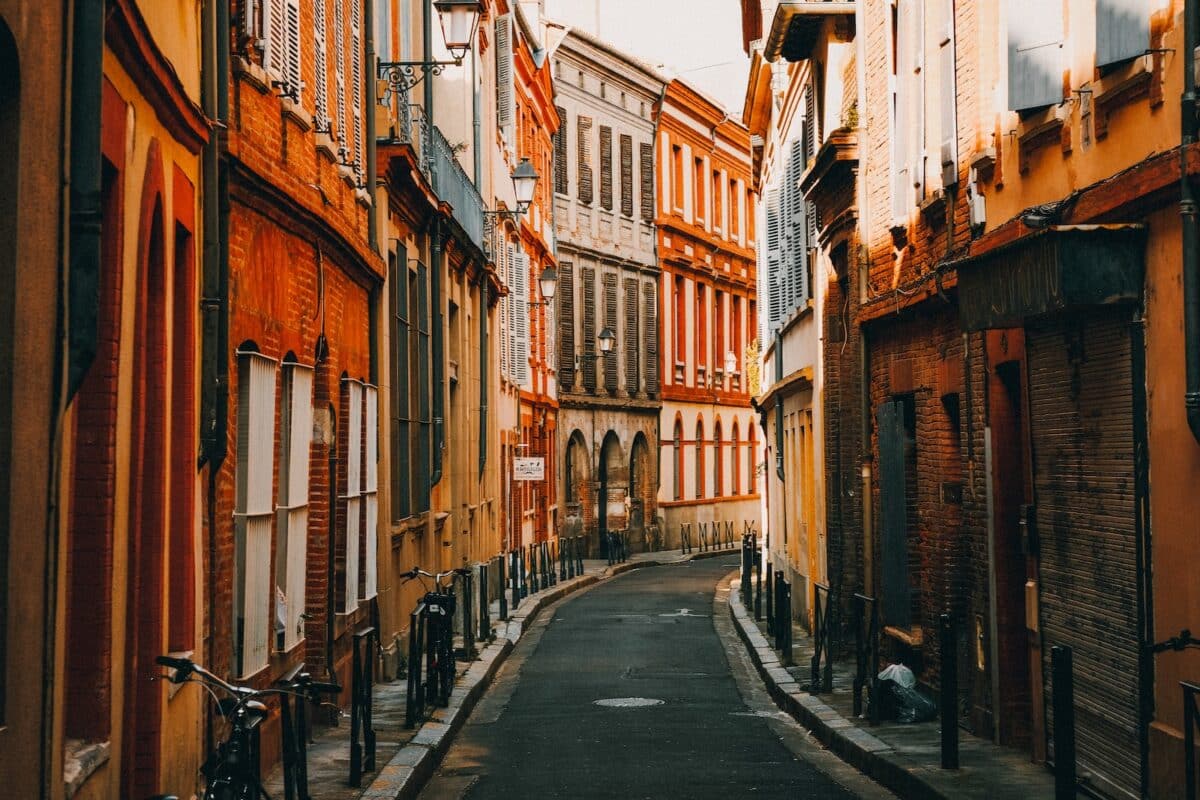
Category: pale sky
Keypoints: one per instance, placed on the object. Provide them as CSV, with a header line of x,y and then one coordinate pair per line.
x,y
699,41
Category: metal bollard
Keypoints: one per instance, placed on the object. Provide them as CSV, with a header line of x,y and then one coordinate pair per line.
x,y
746,567
468,624
1063,701
515,578
562,559
769,593
758,584
485,607
502,583
949,677
784,619
579,545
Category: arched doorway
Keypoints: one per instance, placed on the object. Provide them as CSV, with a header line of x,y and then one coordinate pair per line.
x,y
144,632
642,488
614,485
577,492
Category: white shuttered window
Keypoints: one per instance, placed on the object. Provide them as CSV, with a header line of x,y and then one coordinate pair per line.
x,y
520,307
370,493
281,53
352,498
1035,57
320,62
253,511
291,524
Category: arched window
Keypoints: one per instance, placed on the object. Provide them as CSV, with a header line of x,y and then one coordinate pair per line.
x,y
718,462
736,478
677,458
699,458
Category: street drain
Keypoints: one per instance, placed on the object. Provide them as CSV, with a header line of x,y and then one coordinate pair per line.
x,y
628,702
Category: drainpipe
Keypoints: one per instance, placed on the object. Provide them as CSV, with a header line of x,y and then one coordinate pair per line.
x,y
435,267
868,522
484,354
372,146
1191,226
83,277
214,303
779,406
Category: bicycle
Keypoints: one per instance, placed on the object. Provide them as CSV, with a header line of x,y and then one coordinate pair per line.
x,y
439,612
231,773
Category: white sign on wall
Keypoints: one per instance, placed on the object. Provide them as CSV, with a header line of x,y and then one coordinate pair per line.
x,y
529,469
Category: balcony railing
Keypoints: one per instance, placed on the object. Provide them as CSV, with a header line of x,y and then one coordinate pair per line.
x,y
455,187
408,124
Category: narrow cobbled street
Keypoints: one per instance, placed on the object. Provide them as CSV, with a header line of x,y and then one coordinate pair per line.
x,y
627,691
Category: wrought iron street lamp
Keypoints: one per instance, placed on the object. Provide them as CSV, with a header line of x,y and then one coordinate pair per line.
x,y
549,284
606,339
459,20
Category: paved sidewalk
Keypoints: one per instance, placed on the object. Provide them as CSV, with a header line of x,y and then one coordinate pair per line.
x,y
405,758
904,758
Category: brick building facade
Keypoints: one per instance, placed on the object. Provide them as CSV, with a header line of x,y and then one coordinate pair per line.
x,y
706,238
996,367
604,201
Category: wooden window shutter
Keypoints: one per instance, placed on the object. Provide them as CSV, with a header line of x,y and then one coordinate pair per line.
x,y
606,177
626,175
588,363
566,323
1035,62
521,317
275,36
610,322
370,581
339,70
899,81
646,165
356,77
292,19
917,76
774,278
633,341
948,84
796,242
561,181
320,66
650,323
505,115
1122,30
584,147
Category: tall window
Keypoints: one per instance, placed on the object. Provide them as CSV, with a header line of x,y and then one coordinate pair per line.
x,y
677,459
350,485
606,168
718,207
734,210
677,194
253,511
718,462
10,116
701,327
281,33
181,560
735,487
583,144
560,153
680,321
401,456
718,330
752,462
420,402
699,212
291,528
626,175
699,459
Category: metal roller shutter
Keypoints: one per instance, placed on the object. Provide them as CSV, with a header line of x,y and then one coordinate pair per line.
x,y
1081,412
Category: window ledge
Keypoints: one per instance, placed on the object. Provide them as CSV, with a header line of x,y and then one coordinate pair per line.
x,y
80,761
252,74
913,637
292,110
1122,93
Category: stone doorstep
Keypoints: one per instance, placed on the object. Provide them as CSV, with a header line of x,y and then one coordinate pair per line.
x,y
857,746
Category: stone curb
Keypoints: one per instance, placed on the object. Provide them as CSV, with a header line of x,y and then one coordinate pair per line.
x,y
406,773
854,745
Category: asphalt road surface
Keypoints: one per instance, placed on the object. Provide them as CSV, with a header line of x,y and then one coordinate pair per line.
x,y
629,691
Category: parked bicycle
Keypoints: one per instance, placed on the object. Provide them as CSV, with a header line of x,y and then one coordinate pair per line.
x,y
438,605
232,772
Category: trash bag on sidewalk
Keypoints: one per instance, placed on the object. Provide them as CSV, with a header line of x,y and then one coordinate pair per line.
x,y
912,706
901,698
899,674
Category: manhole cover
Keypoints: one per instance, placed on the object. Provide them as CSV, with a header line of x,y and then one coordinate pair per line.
x,y
628,702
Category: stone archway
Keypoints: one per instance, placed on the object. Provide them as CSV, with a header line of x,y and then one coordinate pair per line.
x,y
642,491
613,487
579,497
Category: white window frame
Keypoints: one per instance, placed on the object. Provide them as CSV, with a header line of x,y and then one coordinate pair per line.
x,y
254,511
370,493
291,525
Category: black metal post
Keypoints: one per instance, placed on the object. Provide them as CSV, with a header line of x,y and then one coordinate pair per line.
x,y
758,583
1063,701
562,560
415,697
949,677
579,545
468,608
502,584
515,556
485,606
1190,715
814,682
362,754
860,654
769,591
